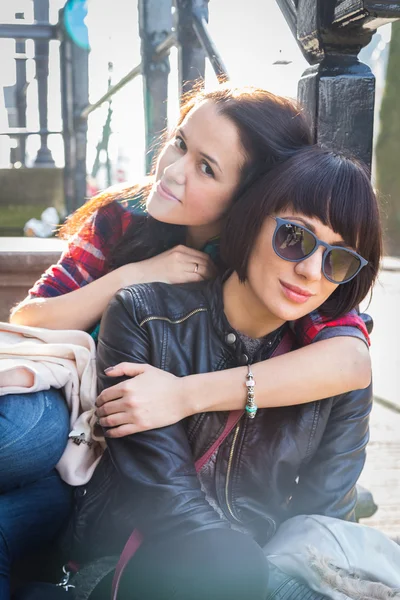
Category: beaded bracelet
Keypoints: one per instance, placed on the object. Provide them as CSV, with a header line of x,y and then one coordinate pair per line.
x,y
251,406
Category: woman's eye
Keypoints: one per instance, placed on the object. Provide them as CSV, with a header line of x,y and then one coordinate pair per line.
x,y
206,169
180,144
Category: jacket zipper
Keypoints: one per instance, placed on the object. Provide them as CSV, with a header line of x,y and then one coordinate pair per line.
x,y
231,453
228,472
156,318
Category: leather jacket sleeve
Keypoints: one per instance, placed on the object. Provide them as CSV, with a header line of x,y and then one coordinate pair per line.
x,y
327,483
157,465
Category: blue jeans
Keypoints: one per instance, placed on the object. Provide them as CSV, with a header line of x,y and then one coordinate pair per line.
x,y
34,502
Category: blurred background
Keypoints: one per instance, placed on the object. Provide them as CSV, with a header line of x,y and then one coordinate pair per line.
x,y
257,47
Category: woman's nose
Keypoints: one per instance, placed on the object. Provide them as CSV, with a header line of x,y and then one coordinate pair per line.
x,y
311,267
176,171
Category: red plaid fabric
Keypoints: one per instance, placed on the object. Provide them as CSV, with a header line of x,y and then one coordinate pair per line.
x,y
307,328
87,254
86,259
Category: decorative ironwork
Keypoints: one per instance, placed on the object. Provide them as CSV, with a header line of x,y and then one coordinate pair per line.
x,y
337,89
18,153
155,25
74,66
38,31
41,14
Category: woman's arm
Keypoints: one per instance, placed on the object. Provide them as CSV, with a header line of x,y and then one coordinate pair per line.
x,y
78,309
157,465
318,371
82,308
154,398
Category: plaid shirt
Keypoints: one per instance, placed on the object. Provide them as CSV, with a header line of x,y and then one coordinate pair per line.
x,y
87,255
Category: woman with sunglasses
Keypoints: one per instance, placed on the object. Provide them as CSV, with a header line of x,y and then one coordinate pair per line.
x,y
306,236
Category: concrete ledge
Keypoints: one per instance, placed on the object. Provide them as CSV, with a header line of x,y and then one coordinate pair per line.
x,y
22,262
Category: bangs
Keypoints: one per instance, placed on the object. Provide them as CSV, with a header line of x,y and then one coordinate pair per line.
x,y
329,187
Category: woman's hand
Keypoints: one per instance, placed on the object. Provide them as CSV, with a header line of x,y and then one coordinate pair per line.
x,y
178,265
151,399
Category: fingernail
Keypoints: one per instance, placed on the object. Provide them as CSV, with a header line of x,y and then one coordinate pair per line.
x,y
108,369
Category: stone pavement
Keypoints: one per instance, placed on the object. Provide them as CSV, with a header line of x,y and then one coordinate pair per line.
x,y
385,348
381,474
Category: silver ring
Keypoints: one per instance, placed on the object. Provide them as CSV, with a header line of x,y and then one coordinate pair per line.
x,y
196,267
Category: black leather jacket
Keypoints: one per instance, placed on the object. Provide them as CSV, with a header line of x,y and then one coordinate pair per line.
x,y
293,460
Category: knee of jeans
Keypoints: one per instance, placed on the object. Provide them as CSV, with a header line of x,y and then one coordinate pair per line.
x,y
56,413
29,421
5,559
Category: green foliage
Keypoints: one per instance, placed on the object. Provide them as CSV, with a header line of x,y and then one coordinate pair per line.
x,y
388,148
13,217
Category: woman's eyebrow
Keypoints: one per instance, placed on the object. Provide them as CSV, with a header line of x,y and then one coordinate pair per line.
x,y
206,156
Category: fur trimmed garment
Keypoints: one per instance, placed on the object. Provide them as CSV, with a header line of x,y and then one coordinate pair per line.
x,y
336,558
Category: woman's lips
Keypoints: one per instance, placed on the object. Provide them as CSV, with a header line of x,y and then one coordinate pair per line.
x,y
164,192
294,293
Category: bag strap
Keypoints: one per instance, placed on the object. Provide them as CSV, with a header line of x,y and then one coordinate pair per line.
x,y
135,539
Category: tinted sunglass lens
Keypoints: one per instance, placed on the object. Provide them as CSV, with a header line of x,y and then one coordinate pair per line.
x,y
293,242
341,265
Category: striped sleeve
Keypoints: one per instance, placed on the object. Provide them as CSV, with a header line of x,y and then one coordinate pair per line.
x,y
86,256
314,327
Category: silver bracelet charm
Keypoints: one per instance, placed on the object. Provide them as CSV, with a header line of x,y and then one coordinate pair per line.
x,y
251,407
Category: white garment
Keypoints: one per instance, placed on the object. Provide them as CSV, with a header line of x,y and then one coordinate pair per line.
x,y
65,360
324,552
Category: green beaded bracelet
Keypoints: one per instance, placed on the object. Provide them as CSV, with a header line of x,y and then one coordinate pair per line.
x,y
251,407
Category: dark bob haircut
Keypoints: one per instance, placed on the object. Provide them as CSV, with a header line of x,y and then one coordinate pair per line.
x,y
319,183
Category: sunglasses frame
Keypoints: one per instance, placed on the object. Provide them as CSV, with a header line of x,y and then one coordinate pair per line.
x,y
328,248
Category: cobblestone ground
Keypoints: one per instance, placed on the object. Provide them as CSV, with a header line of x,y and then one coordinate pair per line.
x,y
381,474
385,348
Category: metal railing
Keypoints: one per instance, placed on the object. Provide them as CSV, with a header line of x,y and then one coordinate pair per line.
x,y
162,27
161,51
41,32
190,35
332,47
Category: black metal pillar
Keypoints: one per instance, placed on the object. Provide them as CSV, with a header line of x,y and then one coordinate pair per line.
x,y
155,24
41,15
192,58
338,90
18,153
67,120
102,146
80,68
74,67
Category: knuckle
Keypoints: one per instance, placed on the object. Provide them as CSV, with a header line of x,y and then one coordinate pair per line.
x,y
131,403
125,387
